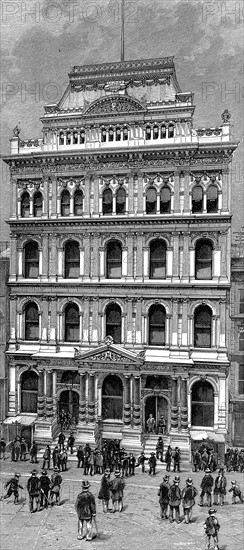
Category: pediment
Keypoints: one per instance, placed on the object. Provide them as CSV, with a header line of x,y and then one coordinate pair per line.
x,y
114,105
108,352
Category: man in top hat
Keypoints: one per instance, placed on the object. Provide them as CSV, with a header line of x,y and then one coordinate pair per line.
x,y
13,486
33,488
168,458
152,464
211,527
104,492
44,488
117,491
141,461
86,510
236,492
132,463
220,488
176,457
160,449
188,499
55,486
163,494
206,486
174,501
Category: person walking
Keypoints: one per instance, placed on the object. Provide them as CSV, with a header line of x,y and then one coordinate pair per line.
x,y
152,464
86,510
220,488
80,457
168,458
117,492
196,461
141,461
62,461
188,499
61,440
55,456
211,527
2,448
174,501
176,457
163,494
206,487
13,487
55,486
125,465
17,449
46,458
160,449
44,489
33,488
104,492
33,453
71,441
132,463
236,492
23,449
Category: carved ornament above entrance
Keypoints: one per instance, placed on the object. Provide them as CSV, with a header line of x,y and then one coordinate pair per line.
x,y
114,105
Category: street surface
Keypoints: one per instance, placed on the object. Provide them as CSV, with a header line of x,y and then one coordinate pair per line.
x,y
138,527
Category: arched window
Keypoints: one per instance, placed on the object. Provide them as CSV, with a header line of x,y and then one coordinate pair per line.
x,y
112,398
37,204
203,259
25,205
157,260
171,131
148,132
72,260
155,132
71,323
61,138
202,327
202,406
197,199
151,201
65,203
78,203
163,132
31,321
120,201
114,260
212,198
118,134
75,138
165,200
156,325
31,260
68,138
113,322
29,392
82,136
125,133
107,201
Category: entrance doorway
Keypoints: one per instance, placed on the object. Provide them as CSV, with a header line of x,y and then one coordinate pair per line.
x,y
158,407
69,402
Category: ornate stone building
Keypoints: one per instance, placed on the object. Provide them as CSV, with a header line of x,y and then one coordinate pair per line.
x,y
120,260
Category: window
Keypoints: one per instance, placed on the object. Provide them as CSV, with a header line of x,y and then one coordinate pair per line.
x,y
112,398
241,306
197,199
148,132
165,200
110,134
241,379
156,326
72,260
75,138
212,198
29,392
107,201
241,339
71,323
202,327
113,322
61,138
155,132
120,201
163,132
151,201
37,205
68,138
82,136
25,205
202,412
125,133
103,135
65,203
31,260
171,131
203,260
31,322
118,134
157,260
78,203
114,260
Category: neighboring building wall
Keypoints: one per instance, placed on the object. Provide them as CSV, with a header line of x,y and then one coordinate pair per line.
x,y
4,326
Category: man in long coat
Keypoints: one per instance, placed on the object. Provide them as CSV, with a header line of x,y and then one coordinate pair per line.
x,y
174,501
206,486
220,488
117,491
163,494
104,492
188,499
86,510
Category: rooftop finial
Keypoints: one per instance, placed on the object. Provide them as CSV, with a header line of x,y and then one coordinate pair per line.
x,y
122,53
16,131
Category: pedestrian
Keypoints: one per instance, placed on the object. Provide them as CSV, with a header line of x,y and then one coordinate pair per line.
x,y
204,459
132,463
13,487
71,441
62,460
61,440
86,463
17,449
211,527
141,461
152,464
46,458
188,499
235,489
196,461
151,424
2,448
91,464
86,510
206,486
23,449
125,465
99,463
12,451
55,486
117,492
55,456
33,488
163,494
220,488
80,457
176,457
104,492
168,458
33,453
162,425
174,501
44,489
160,449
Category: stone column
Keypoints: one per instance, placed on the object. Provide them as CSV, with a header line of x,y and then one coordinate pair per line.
x,y
130,258
53,192
186,258
137,400
225,191
82,403
174,405
184,337
53,319
175,267
187,192
53,272
127,403
139,321
129,324
174,328
45,204
91,397
131,196
139,271
40,398
140,187
96,196
176,192
13,257
45,266
87,259
95,256
184,408
13,316
87,197
49,393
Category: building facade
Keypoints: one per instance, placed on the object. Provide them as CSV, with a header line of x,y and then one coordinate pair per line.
x,y
120,260
4,326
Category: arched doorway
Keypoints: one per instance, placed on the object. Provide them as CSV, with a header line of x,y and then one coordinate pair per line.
x,y
29,392
69,402
158,407
112,398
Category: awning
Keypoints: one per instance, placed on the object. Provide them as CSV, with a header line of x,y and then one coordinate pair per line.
x,y
25,420
211,436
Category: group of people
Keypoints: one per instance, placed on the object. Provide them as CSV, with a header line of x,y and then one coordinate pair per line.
x,y
65,419
153,428
42,490
234,460
203,458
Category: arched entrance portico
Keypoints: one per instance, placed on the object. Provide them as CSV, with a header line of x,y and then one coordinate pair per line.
x,y
156,405
69,401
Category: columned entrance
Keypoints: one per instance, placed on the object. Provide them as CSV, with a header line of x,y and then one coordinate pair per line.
x,y
69,401
158,407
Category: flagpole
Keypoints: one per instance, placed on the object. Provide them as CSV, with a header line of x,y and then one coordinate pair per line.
x,y
122,52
